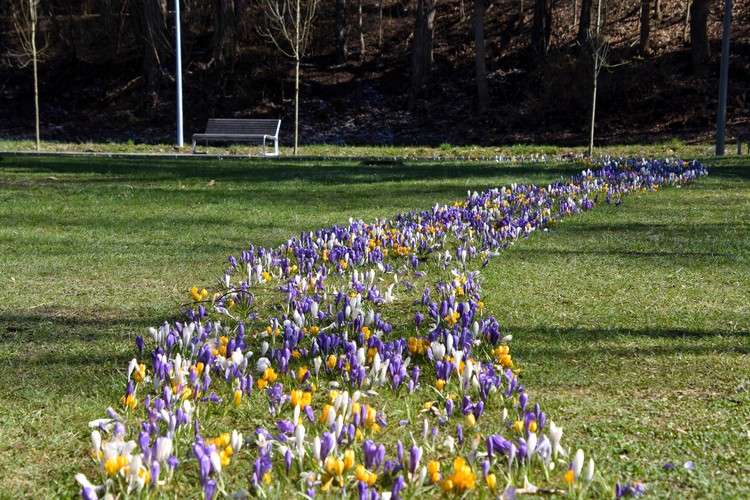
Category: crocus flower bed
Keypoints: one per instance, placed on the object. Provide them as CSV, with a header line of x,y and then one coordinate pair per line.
x,y
357,360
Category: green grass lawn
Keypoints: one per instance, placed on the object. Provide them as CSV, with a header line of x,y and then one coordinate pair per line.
x,y
630,323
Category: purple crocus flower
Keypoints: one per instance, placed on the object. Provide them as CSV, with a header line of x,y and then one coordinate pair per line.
x,y
635,490
418,318
287,461
362,490
415,374
286,426
370,451
398,485
309,413
449,405
379,455
466,406
209,489
523,399
478,410
415,454
205,468
144,442
327,443
522,448
155,470
485,468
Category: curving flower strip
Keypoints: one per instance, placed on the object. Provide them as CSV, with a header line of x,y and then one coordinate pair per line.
x,y
319,328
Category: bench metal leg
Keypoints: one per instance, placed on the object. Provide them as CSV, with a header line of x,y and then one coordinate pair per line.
x,y
275,147
739,143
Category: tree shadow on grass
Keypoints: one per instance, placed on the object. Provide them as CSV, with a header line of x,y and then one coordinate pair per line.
x,y
618,342
254,170
729,166
53,326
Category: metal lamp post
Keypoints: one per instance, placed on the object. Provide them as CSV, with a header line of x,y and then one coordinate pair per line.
x,y
723,80
178,72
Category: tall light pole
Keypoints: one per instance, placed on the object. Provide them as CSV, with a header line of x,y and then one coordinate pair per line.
x,y
178,72
723,81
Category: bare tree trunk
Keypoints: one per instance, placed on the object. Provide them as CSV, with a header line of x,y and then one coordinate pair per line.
x,y
289,28
342,53
657,10
360,32
33,7
154,45
227,15
686,32
297,56
483,93
421,51
541,29
380,24
699,36
107,23
645,27
599,49
584,24
26,29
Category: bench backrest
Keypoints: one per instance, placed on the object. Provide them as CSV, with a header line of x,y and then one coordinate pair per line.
x,y
243,126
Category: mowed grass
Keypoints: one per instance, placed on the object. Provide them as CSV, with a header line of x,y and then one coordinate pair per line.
x,y
631,324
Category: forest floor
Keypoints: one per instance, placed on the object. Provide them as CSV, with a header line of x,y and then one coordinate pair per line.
x,y
88,94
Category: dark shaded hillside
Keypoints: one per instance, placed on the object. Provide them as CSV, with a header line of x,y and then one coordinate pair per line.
x,y
90,92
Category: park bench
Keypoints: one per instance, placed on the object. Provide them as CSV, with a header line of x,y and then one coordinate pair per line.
x,y
241,130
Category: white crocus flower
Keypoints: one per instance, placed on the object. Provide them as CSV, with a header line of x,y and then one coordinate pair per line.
x,y
589,471
531,446
262,364
135,465
466,376
215,462
555,435
299,437
96,442
330,417
85,483
422,475
339,426
106,422
163,449
236,441
376,364
316,364
132,366
578,463
316,449
188,408
237,357
438,350
458,355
